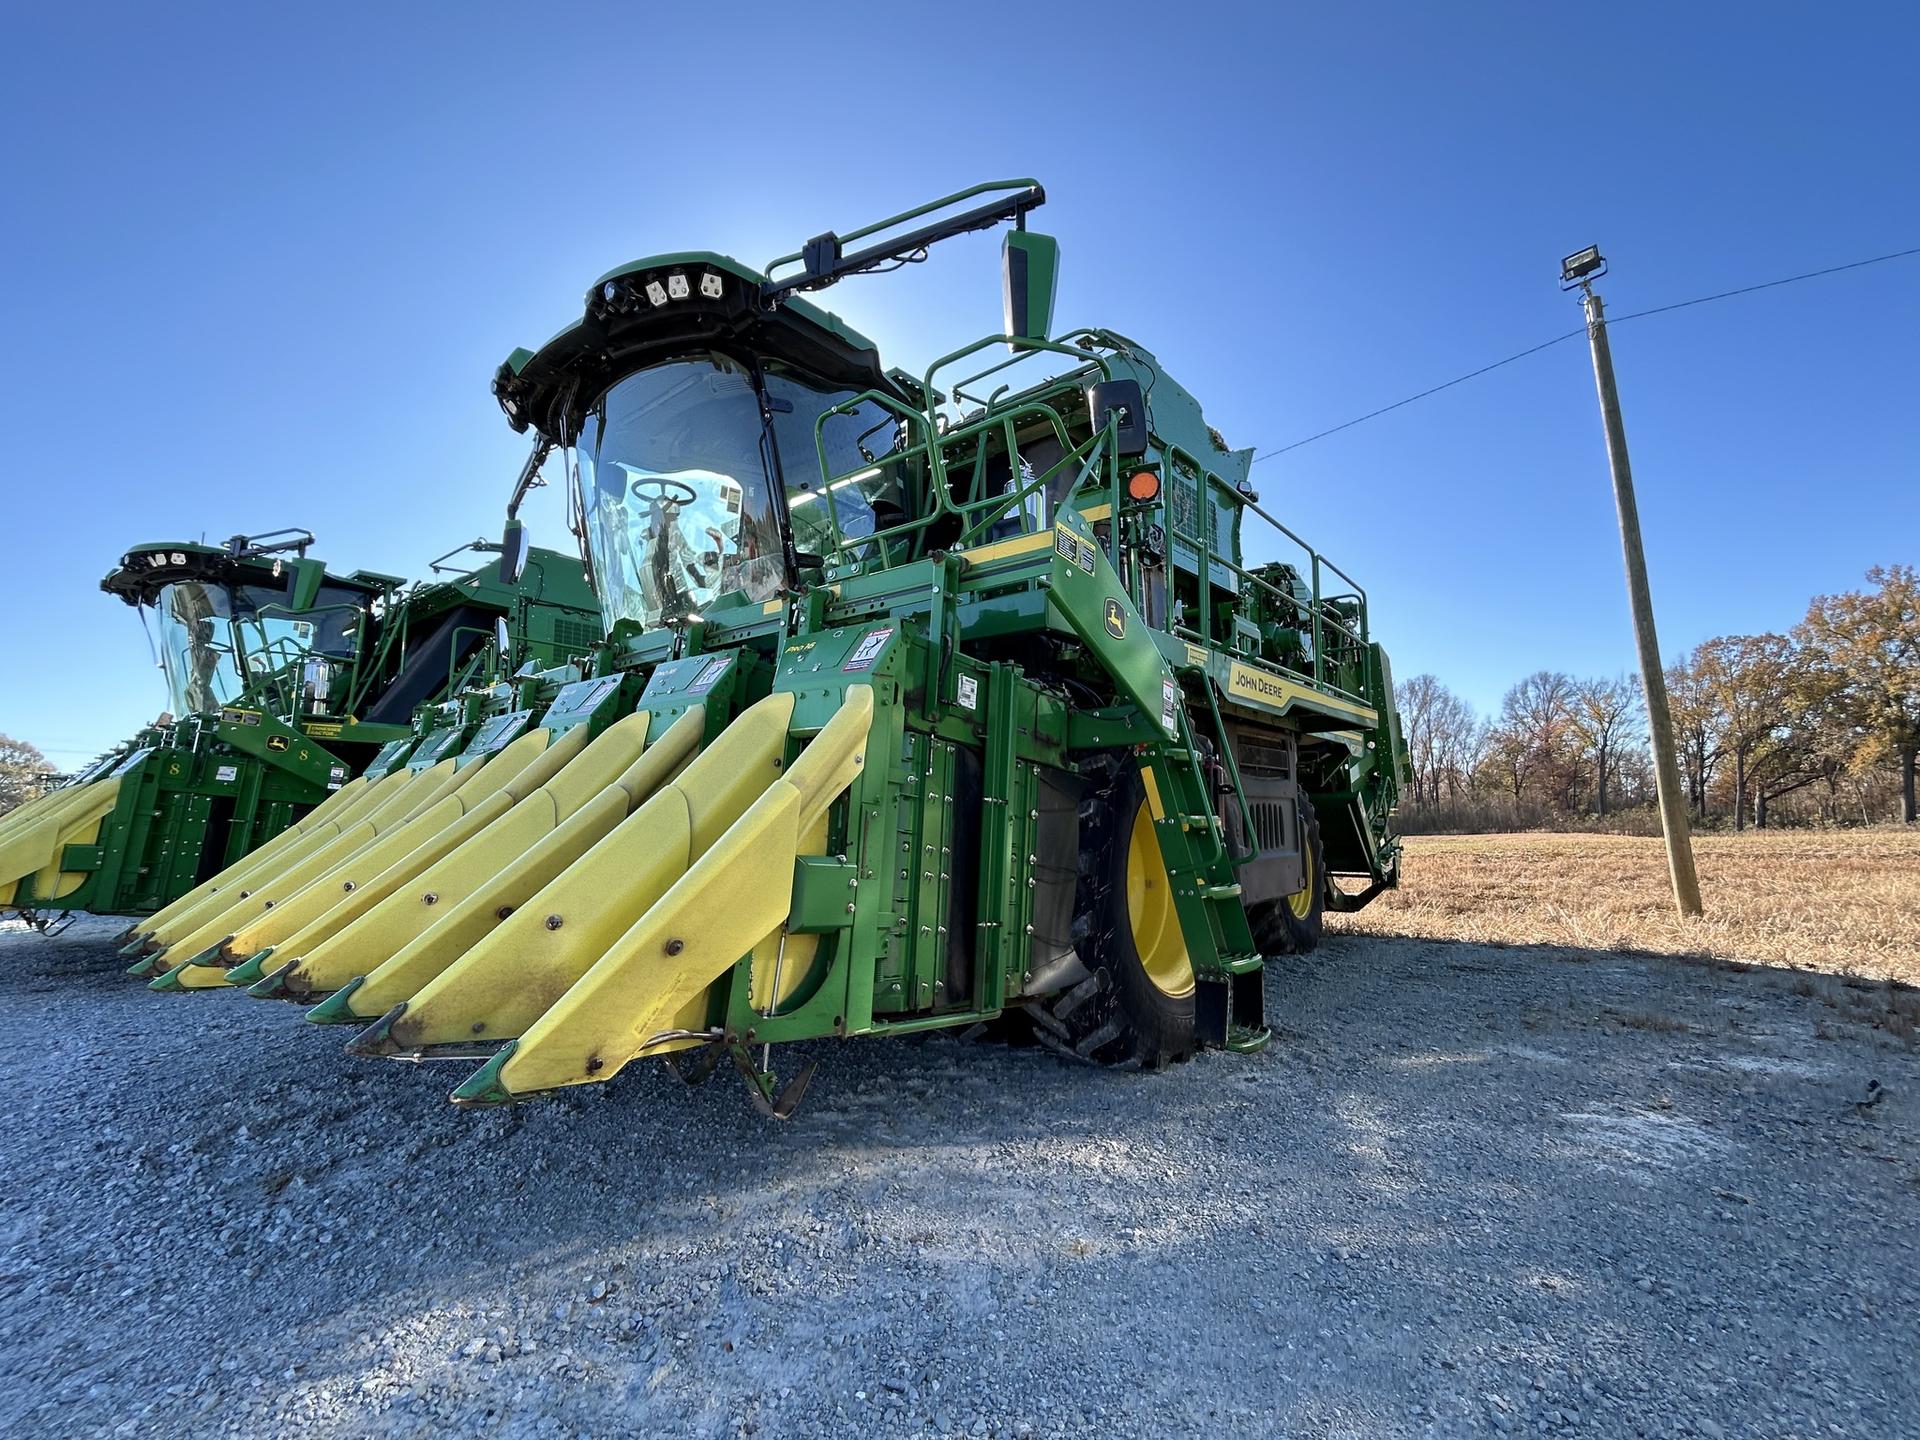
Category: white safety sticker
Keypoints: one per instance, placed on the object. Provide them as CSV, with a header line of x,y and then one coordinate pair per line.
x,y
870,646
1169,706
227,772
710,676
968,692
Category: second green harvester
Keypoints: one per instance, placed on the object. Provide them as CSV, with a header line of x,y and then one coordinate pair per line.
x,y
285,680
925,701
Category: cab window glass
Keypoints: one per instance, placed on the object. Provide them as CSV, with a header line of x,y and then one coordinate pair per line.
x,y
860,481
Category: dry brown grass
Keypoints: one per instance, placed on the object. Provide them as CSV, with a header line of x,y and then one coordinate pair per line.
x,y
1841,901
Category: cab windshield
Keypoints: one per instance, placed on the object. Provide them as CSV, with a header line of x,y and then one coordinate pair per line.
x,y
672,478
217,642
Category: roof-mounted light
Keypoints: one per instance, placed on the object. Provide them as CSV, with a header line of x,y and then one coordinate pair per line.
x,y
677,285
656,293
711,285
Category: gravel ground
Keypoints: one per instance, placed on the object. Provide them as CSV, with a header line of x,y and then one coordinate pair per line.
x,y
1469,1190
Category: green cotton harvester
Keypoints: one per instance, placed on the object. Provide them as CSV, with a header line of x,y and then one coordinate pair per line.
x,y
925,701
285,681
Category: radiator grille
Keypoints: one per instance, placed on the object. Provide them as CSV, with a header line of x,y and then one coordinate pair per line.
x,y
1270,825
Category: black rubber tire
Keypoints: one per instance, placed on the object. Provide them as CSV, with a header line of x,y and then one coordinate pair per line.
x,y
1276,929
1117,1015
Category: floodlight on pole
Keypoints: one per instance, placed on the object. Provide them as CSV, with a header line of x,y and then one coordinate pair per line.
x,y
1582,267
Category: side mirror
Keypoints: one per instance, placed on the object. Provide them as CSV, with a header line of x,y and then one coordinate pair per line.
x,y
502,641
1029,278
1122,400
513,553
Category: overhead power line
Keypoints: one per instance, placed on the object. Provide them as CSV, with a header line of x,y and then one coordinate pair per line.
x,y
1571,334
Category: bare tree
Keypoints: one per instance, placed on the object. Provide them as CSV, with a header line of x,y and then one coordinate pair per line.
x,y
1604,714
1417,699
1462,739
1443,738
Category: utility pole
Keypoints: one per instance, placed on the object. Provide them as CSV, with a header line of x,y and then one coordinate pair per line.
x,y
1583,269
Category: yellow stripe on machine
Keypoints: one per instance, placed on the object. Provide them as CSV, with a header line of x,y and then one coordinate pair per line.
x,y
1005,549
1263,687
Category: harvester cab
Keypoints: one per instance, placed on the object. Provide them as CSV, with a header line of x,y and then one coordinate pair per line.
x,y
253,621
285,681
926,702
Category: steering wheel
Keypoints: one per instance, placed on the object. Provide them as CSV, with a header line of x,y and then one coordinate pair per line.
x,y
664,489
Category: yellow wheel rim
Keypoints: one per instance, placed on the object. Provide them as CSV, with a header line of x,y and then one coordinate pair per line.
x,y
1150,913
1301,901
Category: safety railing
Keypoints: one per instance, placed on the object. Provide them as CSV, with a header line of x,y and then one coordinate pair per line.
x,y
954,464
282,679
1339,657
481,642
976,515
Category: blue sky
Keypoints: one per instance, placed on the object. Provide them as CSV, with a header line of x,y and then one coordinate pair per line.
x,y
261,262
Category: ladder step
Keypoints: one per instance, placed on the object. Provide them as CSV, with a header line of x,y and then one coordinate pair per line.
x,y
1241,964
1219,892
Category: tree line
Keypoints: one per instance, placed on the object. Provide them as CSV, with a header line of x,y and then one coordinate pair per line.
x,y
1821,724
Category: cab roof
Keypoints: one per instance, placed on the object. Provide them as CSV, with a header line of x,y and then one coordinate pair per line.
x,y
654,309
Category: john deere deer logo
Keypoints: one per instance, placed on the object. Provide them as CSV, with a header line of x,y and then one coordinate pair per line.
x,y
1116,619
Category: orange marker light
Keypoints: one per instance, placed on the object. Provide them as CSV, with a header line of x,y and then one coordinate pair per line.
x,y
1143,485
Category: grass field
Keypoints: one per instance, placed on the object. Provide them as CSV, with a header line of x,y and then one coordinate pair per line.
x,y
1845,902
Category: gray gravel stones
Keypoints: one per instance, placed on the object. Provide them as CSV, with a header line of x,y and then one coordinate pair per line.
x,y
1469,1191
